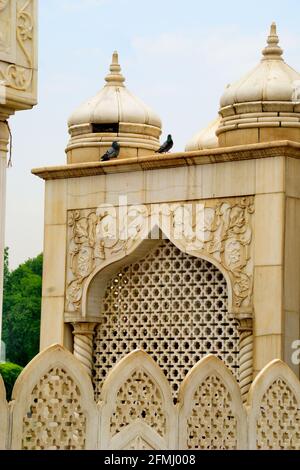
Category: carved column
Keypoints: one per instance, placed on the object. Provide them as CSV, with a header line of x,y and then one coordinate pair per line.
x,y
4,137
83,344
246,355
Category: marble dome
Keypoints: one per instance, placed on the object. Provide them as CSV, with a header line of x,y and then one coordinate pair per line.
x,y
268,97
205,138
114,113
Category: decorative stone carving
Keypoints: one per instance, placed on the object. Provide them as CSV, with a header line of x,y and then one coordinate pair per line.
x,y
220,231
18,51
53,406
137,408
203,434
7,29
138,398
211,412
274,409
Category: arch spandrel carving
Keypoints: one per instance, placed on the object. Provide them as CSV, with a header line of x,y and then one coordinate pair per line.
x,y
136,404
219,231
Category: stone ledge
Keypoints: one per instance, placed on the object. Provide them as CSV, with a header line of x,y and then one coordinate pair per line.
x,y
150,162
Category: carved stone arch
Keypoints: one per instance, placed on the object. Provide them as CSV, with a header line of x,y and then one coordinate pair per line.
x,y
95,284
53,404
274,409
137,406
4,438
211,412
94,256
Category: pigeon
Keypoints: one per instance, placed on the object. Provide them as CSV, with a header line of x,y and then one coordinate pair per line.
x,y
112,152
166,147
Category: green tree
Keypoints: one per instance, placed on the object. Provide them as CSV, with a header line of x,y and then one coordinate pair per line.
x,y
10,373
6,267
22,310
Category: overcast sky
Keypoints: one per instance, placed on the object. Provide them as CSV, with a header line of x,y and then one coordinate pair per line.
x,y
177,56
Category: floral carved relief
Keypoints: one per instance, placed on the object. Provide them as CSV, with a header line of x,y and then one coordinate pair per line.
x,y
17,41
218,230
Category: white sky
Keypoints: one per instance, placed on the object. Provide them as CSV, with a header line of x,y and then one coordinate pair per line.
x,y
176,56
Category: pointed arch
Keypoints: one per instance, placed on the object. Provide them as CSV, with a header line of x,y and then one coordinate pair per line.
x,y
3,416
211,412
274,409
137,404
53,391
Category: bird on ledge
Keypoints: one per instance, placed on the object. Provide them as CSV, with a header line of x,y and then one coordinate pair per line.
x,y
166,147
112,152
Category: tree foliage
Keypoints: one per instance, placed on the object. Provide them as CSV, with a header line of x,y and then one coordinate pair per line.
x,y
10,372
22,310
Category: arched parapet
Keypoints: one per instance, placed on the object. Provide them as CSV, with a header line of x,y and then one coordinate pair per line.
x,y
53,404
137,410
102,240
3,417
211,412
274,409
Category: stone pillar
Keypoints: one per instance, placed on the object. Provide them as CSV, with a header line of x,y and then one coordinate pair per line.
x,y
4,137
83,344
246,355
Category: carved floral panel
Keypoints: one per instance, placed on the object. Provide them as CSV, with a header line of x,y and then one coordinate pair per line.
x,y
219,230
18,62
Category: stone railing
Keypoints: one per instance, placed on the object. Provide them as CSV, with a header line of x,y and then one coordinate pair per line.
x,y
53,407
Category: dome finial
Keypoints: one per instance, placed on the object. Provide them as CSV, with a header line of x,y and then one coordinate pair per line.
x,y
115,78
273,51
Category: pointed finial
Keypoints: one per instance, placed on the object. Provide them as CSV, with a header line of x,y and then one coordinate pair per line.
x,y
273,51
115,78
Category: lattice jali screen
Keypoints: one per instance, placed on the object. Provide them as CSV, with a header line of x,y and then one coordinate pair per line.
x,y
55,419
278,425
173,306
212,424
139,398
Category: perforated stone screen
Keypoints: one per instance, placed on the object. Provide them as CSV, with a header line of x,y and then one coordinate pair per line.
x,y
173,306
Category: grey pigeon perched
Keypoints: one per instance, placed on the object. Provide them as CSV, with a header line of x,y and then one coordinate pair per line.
x,y
112,152
166,147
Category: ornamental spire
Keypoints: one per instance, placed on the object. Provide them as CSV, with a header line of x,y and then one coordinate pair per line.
x,y
115,78
273,51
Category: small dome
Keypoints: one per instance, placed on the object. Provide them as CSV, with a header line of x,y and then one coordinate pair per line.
x,y
271,80
268,96
206,138
113,114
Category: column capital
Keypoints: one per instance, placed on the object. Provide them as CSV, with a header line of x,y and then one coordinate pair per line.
x,y
84,328
245,324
